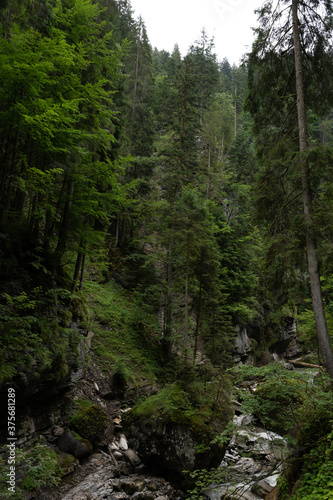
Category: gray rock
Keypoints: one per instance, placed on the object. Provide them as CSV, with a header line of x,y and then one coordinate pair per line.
x,y
79,448
57,430
129,485
132,457
243,345
262,488
123,442
289,366
144,495
168,447
67,463
293,350
94,424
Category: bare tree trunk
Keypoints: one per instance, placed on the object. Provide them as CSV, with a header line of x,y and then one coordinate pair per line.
x,y
186,288
197,326
208,173
137,70
64,228
82,270
77,269
9,185
235,111
167,327
317,300
117,230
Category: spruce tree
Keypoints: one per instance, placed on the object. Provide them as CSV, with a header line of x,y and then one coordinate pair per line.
x,y
293,41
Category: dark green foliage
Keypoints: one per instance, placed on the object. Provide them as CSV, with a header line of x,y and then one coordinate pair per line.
x,y
32,339
120,162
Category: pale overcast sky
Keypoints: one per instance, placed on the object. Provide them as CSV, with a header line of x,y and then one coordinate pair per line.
x,y
181,21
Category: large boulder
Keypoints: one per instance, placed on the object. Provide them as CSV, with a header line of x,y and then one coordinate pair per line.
x,y
74,445
94,424
171,448
173,438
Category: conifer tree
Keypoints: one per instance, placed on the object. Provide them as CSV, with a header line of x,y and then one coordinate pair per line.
x,y
302,57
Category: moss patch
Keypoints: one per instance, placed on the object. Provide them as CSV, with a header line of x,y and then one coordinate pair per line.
x,y
92,423
200,411
67,463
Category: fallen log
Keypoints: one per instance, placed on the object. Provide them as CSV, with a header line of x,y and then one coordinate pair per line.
x,y
305,365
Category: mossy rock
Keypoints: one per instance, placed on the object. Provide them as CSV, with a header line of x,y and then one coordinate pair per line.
x,y
67,463
172,434
74,444
94,424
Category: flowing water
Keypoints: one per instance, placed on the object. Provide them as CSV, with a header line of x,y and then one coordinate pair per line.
x,y
253,461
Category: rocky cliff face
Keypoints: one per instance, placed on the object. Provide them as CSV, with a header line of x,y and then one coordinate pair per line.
x,y
280,342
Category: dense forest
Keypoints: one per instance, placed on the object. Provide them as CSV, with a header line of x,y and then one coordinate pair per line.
x,y
164,202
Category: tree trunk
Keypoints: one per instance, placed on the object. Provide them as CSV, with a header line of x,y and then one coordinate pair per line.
x,y
167,327
8,184
197,326
235,111
186,288
317,300
82,270
208,173
64,228
77,269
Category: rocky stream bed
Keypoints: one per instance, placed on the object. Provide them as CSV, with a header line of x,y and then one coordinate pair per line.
x,y
251,464
111,466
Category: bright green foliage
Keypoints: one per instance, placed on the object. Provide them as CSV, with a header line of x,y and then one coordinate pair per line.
x,y
289,402
316,480
35,468
125,334
192,404
276,399
56,120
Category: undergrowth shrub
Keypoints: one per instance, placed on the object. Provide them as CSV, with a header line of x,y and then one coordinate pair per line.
x,y
316,480
299,404
35,467
31,334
